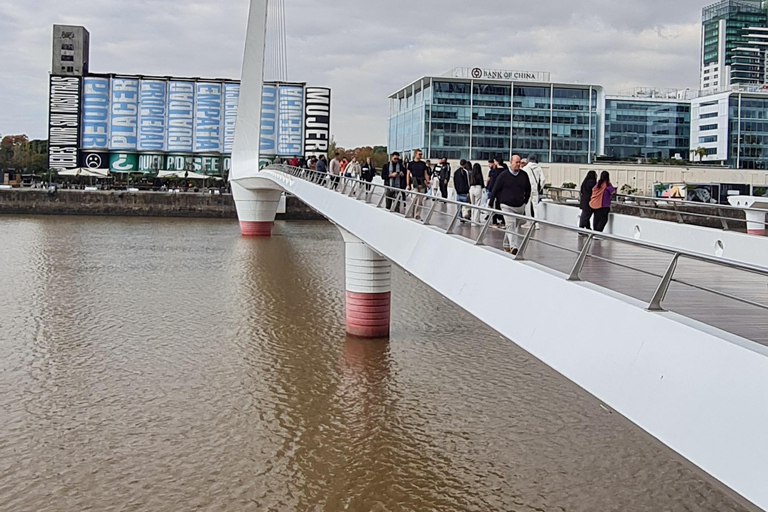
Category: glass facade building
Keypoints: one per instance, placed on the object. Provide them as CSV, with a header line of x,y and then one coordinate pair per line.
x,y
748,131
461,118
647,128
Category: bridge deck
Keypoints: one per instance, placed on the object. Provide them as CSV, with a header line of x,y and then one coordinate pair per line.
x,y
636,272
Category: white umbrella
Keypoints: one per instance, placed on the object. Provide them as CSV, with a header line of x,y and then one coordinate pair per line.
x,y
185,175
85,172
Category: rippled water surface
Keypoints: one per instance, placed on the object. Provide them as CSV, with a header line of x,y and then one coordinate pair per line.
x,y
170,365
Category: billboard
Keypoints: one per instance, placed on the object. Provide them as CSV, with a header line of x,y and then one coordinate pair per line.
x,y
181,117
124,114
95,124
290,120
268,143
317,121
152,114
123,162
64,122
208,118
231,99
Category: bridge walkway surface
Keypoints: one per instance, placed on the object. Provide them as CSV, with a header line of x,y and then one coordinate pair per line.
x,y
727,295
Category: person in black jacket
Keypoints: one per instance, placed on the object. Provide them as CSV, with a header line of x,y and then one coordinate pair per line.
x,y
393,174
495,166
461,180
367,172
513,190
585,222
444,172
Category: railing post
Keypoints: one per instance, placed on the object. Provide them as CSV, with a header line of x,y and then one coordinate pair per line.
x,y
661,291
428,218
481,239
382,198
723,220
520,256
455,221
344,188
680,219
579,265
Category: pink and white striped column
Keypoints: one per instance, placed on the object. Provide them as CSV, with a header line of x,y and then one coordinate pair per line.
x,y
368,283
256,209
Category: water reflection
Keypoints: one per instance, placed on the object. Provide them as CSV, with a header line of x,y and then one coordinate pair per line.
x,y
172,365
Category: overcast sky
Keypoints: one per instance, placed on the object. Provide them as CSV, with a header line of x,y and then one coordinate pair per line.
x,y
363,49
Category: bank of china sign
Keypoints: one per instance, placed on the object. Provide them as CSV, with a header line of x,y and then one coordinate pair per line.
x,y
501,74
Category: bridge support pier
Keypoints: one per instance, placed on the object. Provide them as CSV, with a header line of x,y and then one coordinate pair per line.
x,y
256,209
368,284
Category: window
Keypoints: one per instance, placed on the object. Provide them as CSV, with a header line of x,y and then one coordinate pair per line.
x,y
709,104
708,116
68,46
709,138
70,69
708,127
68,58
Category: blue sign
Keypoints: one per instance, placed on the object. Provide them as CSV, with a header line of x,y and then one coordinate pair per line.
x,y
181,117
231,99
268,144
290,121
152,113
208,115
123,128
95,127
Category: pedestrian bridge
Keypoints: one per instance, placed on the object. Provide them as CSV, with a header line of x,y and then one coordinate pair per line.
x,y
674,340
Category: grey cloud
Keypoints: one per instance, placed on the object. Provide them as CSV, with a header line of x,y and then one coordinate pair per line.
x,y
363,49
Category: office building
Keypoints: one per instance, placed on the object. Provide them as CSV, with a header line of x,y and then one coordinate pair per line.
x,y
728,29
648,124
477,114
732,128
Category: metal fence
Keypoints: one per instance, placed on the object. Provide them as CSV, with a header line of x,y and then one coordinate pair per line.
x,y
644,205
640,269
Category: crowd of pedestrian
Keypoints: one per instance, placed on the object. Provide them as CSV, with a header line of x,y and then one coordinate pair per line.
x,y
514,189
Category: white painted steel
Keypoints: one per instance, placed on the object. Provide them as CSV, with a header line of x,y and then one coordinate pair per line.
x,y
755,219
698,390
245,153
731,245
256,204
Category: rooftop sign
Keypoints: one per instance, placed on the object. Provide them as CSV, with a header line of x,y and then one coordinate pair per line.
x,y
499,74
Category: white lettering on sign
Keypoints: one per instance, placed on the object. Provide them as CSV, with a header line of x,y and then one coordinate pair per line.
x,y
64,122
317,121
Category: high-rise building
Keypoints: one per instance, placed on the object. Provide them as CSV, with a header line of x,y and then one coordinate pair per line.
x,y
727,29
71,47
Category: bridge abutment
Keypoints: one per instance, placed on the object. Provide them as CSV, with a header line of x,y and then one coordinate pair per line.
x,y
256,209
368,286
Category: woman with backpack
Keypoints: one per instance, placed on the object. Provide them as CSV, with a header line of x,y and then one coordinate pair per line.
x,y
600,203
585,222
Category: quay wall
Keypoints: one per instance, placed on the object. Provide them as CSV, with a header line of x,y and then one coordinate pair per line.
x,y
142,204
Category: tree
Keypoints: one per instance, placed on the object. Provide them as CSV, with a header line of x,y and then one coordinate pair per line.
x,y
700,152
19,153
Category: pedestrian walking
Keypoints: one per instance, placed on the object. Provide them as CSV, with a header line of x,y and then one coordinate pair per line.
x,y
461,180
343,164
417,177
513,190
353,169
367,172
496,166
600,203
585,196
538,180
294,161
335,170
443,172
476,186
393,173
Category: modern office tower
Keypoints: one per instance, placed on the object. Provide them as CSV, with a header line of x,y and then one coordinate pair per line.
x,y
725,30
71,48
478,114
648,123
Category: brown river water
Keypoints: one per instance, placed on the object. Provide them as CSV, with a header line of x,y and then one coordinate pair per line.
x,y
170,365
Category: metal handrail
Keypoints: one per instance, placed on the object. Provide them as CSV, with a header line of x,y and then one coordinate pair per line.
x,y
668,205
352,188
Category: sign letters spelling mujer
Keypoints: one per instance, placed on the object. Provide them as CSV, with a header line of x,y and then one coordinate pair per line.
x,y
317,121
64,122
